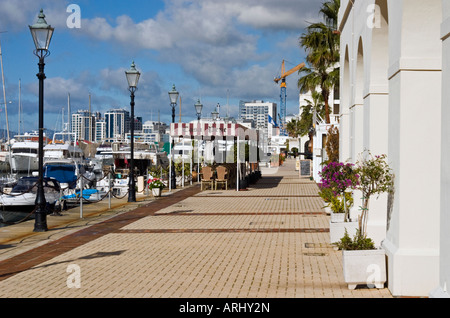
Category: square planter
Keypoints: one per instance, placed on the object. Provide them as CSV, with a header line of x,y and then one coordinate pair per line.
x,y
156,192
365,267
337,230
337,217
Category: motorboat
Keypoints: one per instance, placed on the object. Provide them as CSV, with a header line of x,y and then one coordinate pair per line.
x,y
22,197
24,153
104,155
68,173
63,150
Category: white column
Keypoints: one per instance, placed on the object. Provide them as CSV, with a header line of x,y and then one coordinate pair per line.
x,y
412,241
441,289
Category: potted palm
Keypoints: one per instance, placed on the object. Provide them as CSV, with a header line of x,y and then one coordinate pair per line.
x,y
338,181
156,185
363,263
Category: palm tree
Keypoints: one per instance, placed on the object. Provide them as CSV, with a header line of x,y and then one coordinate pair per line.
x,y
293,128
307,116
321,43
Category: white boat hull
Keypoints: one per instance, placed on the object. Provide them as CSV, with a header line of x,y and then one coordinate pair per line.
x,y
24,163
24,202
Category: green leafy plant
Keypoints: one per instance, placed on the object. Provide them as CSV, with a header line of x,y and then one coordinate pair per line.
x,y
358,242
155,171
338,205
336,202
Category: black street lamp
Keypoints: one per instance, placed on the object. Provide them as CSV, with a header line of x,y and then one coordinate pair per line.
x,y
173,95
198,109
215,114
42,34
133,79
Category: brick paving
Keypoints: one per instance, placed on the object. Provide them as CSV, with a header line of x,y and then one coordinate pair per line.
x,y
268,242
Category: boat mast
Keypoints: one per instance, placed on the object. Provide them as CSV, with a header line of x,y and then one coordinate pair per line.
x,y
20,106
4,92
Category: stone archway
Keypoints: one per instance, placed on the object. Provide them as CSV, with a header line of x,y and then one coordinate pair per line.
x,y
344,135
357,109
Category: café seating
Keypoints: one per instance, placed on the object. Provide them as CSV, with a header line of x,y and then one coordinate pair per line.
x,y
207,177
222,176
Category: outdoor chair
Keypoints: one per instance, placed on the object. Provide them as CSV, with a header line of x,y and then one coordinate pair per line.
x,y
222,176
207,177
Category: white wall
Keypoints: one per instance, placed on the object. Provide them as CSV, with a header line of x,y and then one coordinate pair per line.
x,y
391,103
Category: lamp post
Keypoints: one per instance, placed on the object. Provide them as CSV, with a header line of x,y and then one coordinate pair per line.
x,y
42,34
198,109
133,79
173,95
215,114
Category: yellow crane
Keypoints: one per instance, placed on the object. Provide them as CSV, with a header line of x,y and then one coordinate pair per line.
x,y
283,96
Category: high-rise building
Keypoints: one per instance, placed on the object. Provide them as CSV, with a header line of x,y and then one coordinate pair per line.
x,y
259,111
117,122
100,130
83,125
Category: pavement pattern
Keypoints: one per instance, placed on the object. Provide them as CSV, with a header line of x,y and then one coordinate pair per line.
x,y
271,241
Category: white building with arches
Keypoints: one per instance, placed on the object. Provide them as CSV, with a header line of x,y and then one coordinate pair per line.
x,y
395,64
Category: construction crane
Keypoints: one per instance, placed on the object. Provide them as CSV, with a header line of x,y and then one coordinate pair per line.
x,y
283,95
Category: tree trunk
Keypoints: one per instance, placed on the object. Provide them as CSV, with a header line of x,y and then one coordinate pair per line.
x,y
326,95
364,217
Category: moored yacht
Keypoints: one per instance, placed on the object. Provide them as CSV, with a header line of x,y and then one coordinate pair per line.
x,y
23,195
24,153
63,150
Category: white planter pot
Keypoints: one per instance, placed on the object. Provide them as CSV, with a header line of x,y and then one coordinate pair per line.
x,y
337,230
366,267
156,192
337,217
327,210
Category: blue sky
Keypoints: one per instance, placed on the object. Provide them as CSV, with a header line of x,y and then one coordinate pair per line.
x,y
210,49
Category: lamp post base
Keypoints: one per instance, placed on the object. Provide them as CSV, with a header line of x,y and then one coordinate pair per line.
x,y
173,178
40,224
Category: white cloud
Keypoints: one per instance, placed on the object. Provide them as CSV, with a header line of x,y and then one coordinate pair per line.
x,y
217,44
17,15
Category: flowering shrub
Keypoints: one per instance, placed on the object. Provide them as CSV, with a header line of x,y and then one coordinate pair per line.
x,y
337,177
155,183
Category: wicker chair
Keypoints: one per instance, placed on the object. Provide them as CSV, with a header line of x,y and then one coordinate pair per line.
x,y
222,176
207,177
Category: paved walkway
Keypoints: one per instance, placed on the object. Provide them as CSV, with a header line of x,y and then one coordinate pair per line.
x,y
271,241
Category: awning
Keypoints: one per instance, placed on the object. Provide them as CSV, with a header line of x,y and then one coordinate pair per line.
x,y
202,130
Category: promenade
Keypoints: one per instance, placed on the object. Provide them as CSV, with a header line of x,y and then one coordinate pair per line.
x,y
271,241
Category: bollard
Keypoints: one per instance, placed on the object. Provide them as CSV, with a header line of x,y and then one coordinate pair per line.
x,y
109,190
81,197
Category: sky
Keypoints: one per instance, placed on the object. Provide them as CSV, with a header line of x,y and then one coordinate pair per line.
x,y
218,51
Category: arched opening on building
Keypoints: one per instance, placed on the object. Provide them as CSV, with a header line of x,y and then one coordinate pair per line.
x,y
380,46
356,112
344,152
